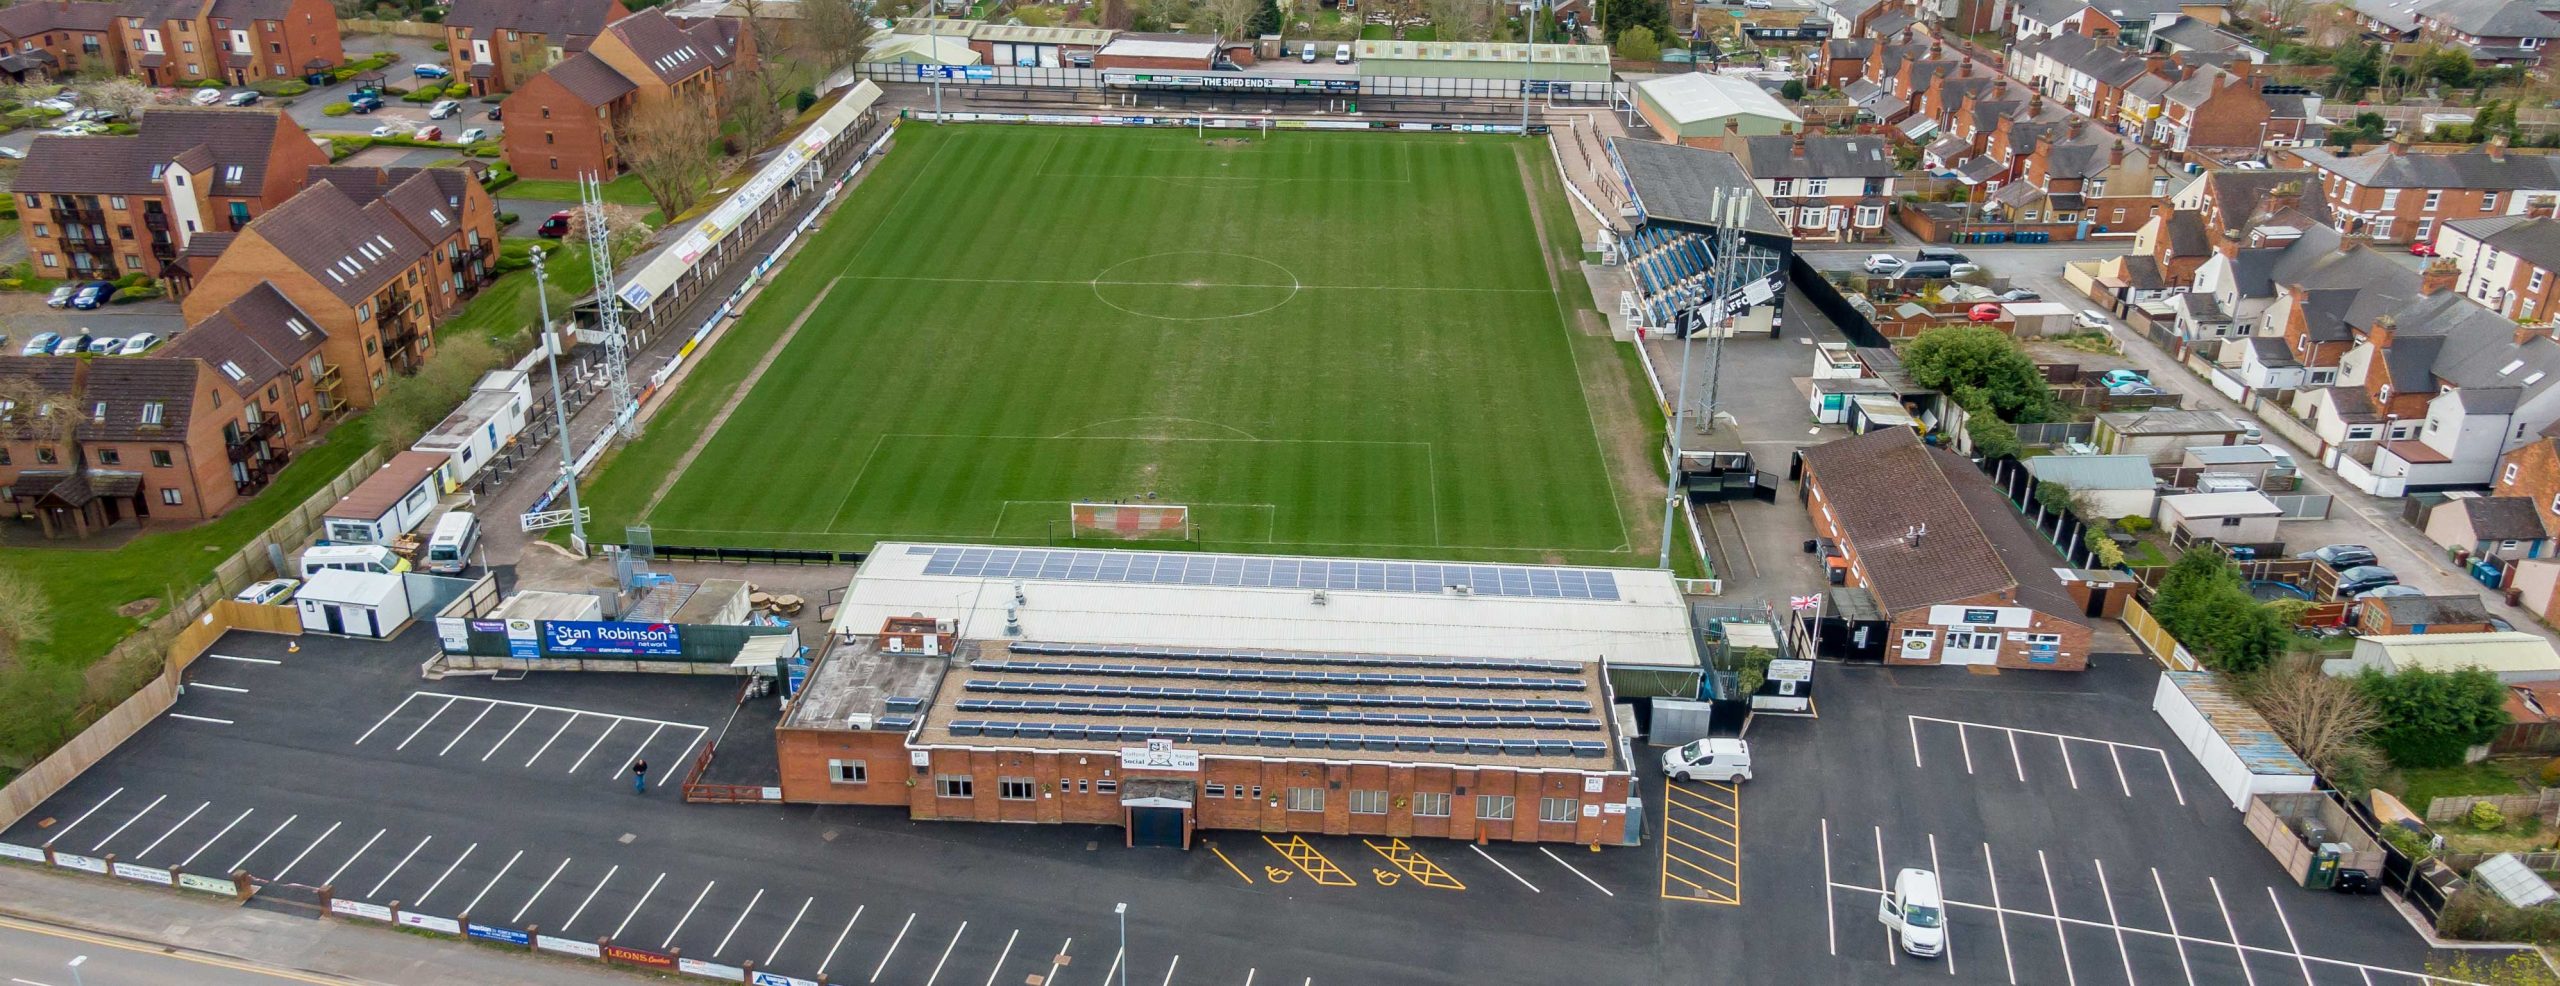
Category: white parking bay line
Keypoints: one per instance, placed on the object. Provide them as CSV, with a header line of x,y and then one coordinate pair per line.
x,y
511,734
2110,897
219,688
2051,900
84,816
306,851
351,860
129,823
946,954
643,902
555,737
670,775
786,932
1055,964
2289,940
1497,864
1008,953
734,925
688,914
644,744
1168,969
893,947
493,883
485,709
591,898
217,837
543,889
243,660
840,936
2233,930
262,844
422,727
1946,943
1999,914
386,717
2172,914
591,747
396,867
210,719
1884,875
1595,884
448,871
173,830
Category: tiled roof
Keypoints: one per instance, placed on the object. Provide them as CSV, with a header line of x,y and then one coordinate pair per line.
x,y
256,338
2187,237
199,137
2387,167
2418,610
1825,156
2536,241
33,17
351,249
590,80
555,19
252,10
2503,518
672,53
428,199
118,399
1881,487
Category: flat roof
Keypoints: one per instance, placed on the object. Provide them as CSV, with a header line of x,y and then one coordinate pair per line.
x,y
2247,503
1630,617
2238,724
545,604
853,682
1482,51
377,494
1025,33
2231,455
1162,46
2497,650
339,585
476,412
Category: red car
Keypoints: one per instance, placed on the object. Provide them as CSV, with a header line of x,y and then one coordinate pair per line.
x,y
2422,248
554,227
1985,312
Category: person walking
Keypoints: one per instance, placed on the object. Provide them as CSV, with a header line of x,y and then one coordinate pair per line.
x,y
639,777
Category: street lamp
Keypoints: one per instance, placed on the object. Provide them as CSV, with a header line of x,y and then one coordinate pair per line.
x,y
74,965
1122,909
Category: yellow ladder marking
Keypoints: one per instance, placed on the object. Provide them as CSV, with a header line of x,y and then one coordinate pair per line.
x,y
1688,812
1310,862
1415,865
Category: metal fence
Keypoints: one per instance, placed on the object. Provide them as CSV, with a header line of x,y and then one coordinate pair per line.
x,y
1010,76
756,556
2305,506
2048,434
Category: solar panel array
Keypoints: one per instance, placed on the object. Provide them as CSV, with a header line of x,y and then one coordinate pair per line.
x,y
1289,657
1278,675
1341,718
1150,568
1301,698
1472,745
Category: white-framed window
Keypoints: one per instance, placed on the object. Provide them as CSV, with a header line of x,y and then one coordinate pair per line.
x,y
1558,809
1785,186
2390,198
2534,282
2435,197
1786,217
1368,802
169,495
1016,788
2361,433
1870,216
1306,799
1106,786
2508,476
1435,804
849,771
1213,789
1496,807
1815,186
52,261
2489,201
2426,228
2323,378
954,786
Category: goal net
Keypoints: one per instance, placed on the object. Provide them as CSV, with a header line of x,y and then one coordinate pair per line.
x,y
1129,521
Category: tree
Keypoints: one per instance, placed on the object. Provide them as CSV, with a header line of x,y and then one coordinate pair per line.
x,y
1617,17
1793,90
123,96
830,34
756,102
2325,718
1159,15
2203,603
2429,718
413,404
669,145
1972,356
1266,20
1460,20
1637,44
1228,18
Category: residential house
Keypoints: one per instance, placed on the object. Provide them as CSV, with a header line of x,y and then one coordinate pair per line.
x,y
361,273
2219,110
2455,386
2129,22
47,40
2191,35
445,207
1956,575
266,354
111,205
2532,471
2495,32
169,42
1842,61
2509,264
2398,615
495,45
565,122
2494,530
2395,195
1823,187
2086,74
149,443
2083,175
2175,245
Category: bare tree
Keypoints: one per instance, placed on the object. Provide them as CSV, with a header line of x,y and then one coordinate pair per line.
x,y
2324,718
669,145
1460,20
757,100
832,34
120,95
1227,18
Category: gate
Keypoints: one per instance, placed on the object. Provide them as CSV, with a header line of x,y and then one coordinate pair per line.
x,y
288,898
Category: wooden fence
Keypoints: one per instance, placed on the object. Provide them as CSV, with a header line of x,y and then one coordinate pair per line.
x,y
2544,805
2156,639
175,640
405,29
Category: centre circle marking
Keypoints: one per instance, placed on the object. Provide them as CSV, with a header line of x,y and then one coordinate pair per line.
x,y
1104,278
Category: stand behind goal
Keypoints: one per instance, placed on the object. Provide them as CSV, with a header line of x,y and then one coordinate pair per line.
x,y
1129,521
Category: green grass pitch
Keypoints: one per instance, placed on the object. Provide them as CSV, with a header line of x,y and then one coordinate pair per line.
x,y
1325,343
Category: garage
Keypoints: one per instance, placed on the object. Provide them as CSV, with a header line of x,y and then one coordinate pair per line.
x,y
2231,740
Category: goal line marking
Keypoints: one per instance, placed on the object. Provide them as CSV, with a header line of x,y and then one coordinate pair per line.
x,y
1095,282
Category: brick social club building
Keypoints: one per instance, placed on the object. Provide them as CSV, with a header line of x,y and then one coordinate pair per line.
x,y
1170,692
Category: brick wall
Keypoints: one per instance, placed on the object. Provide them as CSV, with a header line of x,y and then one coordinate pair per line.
x,y
551,135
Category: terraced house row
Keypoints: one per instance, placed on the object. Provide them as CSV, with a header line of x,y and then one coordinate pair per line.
x,y
170,42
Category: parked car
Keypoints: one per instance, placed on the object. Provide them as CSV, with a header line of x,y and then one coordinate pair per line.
x,y
206,97
1884,263
2020,294
1309,55
40,345
108,346
1342,54
472,136
61,296
1724,760
2249,433
444,109
430,133
362,104
385,130
430,70
81,128
556,226
2390,591
1985,312
2362,579
71,346
2422,248
13,154
268,592
58,104
2339,556
1960,269
245,97
2250,165
1937,269
1916,913
495,111
2118,378
2091,319
91,295
2134,390
140,343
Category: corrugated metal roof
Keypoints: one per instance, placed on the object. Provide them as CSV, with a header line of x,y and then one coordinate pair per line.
x,y
2501,651
2239,725
1483,51
1022,33
2095,472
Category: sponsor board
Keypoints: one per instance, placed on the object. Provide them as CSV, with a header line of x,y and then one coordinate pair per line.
x,y
712,969
640,956
593,637
492,932
146,874
359,909
14,851
772,979
431,922
208,884
85,864
568,946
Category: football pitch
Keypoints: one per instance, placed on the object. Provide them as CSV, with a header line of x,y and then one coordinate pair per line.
x,y
1322,343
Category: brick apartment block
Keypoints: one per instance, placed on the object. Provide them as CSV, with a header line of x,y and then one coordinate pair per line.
x,y
565,122
107,206
168,42
496,45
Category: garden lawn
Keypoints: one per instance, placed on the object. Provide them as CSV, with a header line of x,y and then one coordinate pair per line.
x,y
625,190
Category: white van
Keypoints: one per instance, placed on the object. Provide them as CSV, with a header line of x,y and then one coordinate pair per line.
x,y
449,548
353,558
1916,912
1709,760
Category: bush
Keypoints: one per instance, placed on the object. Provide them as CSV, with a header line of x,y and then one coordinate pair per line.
x,y
2102,547
2485,816
2551,772
282,88
457,90
336,109
2132,524
132,294
506,219
134,279
2431,718
2475,914
421,95
442,46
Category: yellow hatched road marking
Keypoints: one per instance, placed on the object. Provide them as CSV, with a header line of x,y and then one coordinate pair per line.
x,y
1415,865
1688,812
1311,862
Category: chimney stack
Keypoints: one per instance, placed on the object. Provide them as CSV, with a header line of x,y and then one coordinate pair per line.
x,y
2498,148
2220,79
1796,150
2074,132
2115,154
2186,71
2438,277
2539,207
2383,328
2400,144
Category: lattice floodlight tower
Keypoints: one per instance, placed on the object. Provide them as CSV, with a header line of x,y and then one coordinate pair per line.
x,y
617,355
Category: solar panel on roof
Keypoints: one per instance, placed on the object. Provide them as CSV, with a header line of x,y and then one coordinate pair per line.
x,y
1086,565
